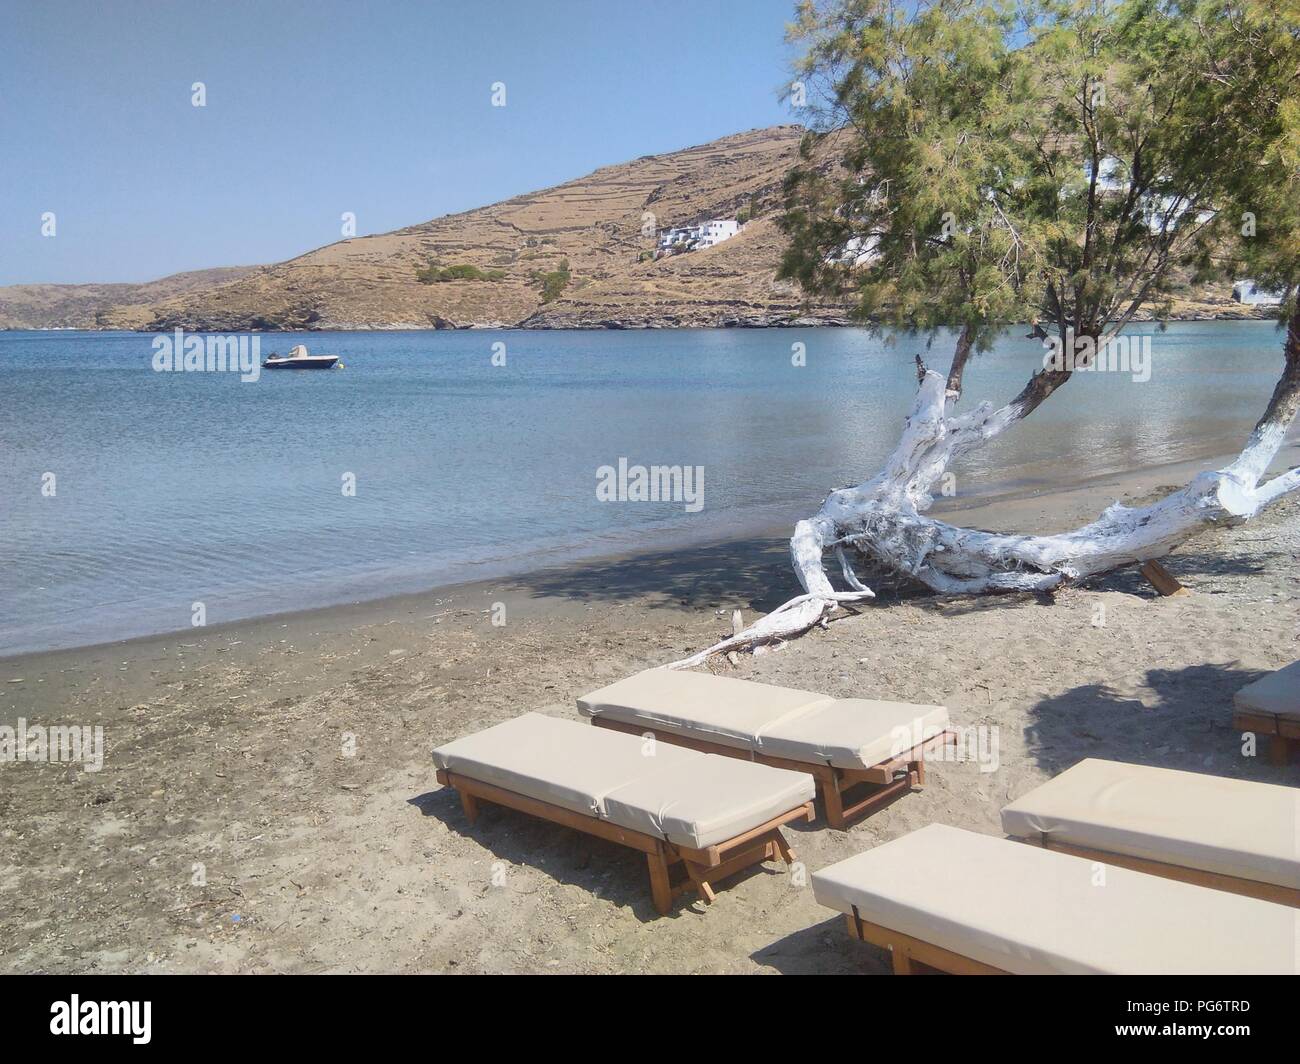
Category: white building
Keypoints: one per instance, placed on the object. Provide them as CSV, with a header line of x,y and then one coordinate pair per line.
x,y
717,230
690,237
1159,212
1251,294
683,236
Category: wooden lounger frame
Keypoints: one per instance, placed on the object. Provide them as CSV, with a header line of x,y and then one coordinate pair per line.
x,y
1283,732
884,782
912,956
1214,880
703,867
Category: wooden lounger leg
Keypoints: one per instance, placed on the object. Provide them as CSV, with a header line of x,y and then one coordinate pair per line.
x,y
470,804
782,848
702,886
661,889
1279,750
899,957
877,797
883,783
767,846
833,802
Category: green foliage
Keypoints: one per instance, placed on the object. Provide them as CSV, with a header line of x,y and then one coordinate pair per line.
x,y
927,101
970,142
553,282
433,274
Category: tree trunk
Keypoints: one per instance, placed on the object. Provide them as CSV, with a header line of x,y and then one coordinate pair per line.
x,y
883,517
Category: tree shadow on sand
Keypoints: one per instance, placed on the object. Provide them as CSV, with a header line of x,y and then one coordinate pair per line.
x,y
602,869
1186,567
753,573
1184,723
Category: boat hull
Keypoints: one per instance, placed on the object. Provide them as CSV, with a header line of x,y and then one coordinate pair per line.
x,y
310,362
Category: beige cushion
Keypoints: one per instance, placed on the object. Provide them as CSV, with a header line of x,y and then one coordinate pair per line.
x,y
700,804
1034,911
1278,692
717,708
852,732
1234,827
689,798
777,721
558,761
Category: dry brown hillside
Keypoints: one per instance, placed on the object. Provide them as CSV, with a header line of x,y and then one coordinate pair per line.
x,y
594,224
90,306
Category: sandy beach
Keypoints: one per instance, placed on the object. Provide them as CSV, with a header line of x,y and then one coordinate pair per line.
x,y
232,828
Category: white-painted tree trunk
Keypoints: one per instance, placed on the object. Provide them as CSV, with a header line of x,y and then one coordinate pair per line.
x,y
883,518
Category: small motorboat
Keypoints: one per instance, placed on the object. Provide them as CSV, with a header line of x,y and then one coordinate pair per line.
x,y
297,358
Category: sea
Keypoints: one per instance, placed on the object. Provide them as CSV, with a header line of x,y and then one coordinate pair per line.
x,y
132,493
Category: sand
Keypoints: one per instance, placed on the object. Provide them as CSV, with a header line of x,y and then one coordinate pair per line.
x,y
233,829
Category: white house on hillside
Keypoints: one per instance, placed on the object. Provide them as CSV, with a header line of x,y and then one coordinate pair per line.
x,y
690,237
717,230
681,234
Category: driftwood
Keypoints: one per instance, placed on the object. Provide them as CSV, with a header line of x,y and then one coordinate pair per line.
x,y
883,518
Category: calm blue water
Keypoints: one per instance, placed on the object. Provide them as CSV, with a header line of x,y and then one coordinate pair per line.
x,y
183,487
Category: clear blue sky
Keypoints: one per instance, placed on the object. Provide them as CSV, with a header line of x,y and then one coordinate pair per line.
x,y
313,109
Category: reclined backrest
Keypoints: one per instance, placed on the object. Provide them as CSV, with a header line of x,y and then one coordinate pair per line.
x,y
729,711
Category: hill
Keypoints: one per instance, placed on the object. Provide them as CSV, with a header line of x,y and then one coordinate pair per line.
x,y
91,306
593,225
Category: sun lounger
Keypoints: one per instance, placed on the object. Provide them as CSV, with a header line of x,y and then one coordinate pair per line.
x,y
954,901
711,816
1271,706
1228,834
875,749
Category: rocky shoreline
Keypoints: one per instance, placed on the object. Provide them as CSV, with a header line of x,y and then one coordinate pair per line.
x,y
546,321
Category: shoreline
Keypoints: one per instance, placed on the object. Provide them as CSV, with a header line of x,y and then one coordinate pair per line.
x,y
1010,507
1248,312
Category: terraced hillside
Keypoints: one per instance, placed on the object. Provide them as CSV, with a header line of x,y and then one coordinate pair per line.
x,y
593,224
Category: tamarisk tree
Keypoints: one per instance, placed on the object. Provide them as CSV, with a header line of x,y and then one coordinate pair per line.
x,y
1063,163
